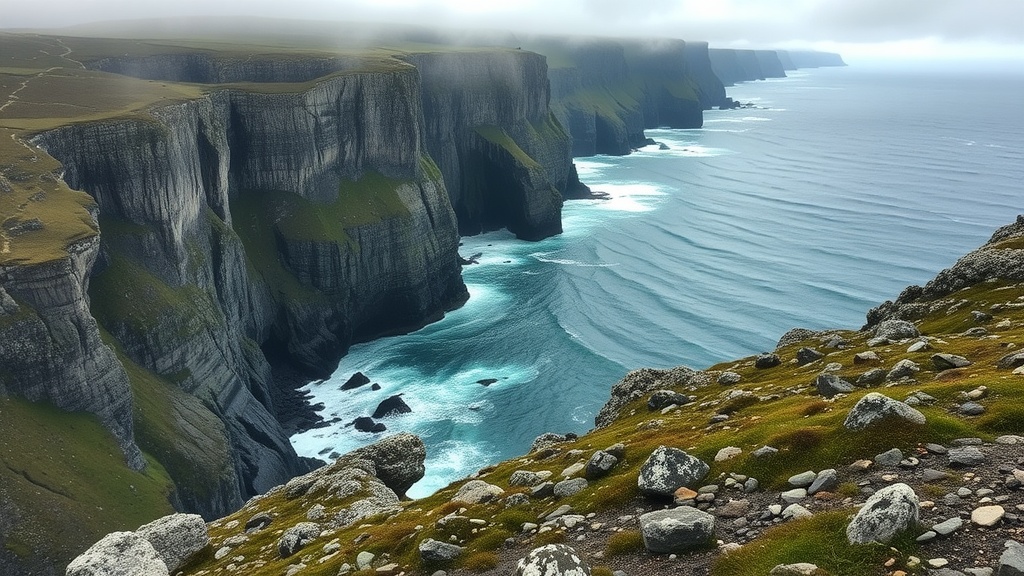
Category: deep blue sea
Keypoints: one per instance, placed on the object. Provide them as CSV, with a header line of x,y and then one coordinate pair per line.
x,y
841,187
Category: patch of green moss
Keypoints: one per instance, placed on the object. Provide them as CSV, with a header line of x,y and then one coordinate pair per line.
x,y
820,540
126,294
499,137
175,428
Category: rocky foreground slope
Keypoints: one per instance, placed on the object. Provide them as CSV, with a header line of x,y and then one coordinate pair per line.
x,y
891,450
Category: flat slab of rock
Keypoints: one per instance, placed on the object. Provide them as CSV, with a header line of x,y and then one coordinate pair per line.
x,y
948,361
875,408
966,456
886,513
477,492
434,551
552,560
987,515
676,530
668,469
1011,562
828,385
893,329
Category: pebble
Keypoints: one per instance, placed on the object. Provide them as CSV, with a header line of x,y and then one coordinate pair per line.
x,y
931,475
938,562
728,453
889,458
936,448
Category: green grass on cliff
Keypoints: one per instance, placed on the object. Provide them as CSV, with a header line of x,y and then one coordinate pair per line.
x,y
497,136
66,477
263,219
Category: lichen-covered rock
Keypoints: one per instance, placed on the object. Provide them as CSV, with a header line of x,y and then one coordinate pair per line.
x,y
525,478
668,469
176,537
434,551
638,382
549,439
119,554
477,492
552,560
875,408
676,530
1011,562
896,330
663,398
296,537
828,385
569,487
599,465
886,513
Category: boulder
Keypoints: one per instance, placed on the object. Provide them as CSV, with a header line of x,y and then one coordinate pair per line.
x,y
873,376
795,335
119,554
676,530
767,360
600,464
729,378
259,521
524,478
552,560
433,551
668,469
355,381
903,369
638,382
176,538
296,537
399,460
570,487
391,406
829,385
477,492
948,361
886,513
893,329
875,408
663,398
807,355
869,357
1012,360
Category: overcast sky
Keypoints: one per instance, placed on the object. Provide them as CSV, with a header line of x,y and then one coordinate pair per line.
x,y
857,28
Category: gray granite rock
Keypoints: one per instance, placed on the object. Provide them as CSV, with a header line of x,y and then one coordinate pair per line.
x,y
668,469
886,513
552,560
874,408
676,530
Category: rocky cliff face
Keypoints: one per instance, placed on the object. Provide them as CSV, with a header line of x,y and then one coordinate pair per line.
x,y
505,159
606,92
733,66
243,224
770,64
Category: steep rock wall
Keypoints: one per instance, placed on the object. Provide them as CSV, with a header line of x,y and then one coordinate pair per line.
x,y
770,64
292,222
607,92
505,92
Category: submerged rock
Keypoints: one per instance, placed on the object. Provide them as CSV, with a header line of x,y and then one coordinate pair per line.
x,y
390,406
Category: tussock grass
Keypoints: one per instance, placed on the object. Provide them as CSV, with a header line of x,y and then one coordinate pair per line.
x,y
820,540
622,543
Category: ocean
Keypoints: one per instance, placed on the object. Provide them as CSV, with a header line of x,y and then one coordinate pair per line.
x,y
837,189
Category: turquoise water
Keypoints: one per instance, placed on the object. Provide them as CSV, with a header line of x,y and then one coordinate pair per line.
x,y
839,189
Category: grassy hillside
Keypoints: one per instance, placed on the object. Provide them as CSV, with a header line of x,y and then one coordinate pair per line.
x,y
777,406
